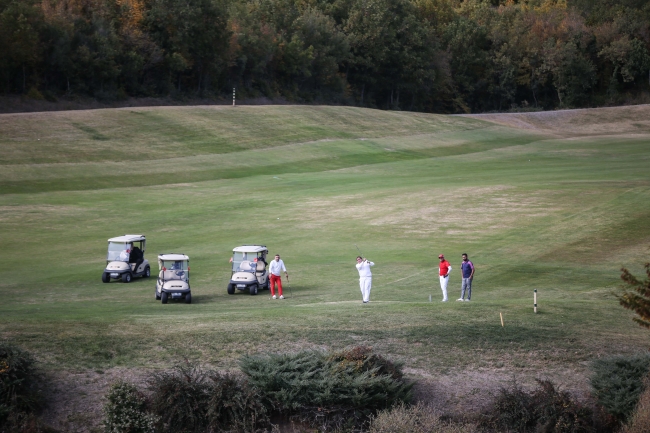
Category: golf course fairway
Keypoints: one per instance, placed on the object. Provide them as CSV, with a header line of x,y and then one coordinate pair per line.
x,y
556,202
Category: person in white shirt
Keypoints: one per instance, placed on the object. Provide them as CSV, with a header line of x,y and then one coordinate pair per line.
x,y
275,269
365,277
126,254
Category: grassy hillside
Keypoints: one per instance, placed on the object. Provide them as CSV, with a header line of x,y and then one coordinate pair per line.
x,y
556,210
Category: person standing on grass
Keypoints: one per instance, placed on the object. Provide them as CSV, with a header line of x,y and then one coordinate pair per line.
x,y
445,269
467,273
275,271
365,277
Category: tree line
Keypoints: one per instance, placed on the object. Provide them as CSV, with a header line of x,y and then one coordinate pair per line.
x,y
424,55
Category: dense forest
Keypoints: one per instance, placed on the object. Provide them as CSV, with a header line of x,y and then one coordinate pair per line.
x,y
443,56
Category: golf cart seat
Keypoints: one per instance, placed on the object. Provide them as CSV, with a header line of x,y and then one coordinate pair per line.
x,y
245,266
167,275
261,267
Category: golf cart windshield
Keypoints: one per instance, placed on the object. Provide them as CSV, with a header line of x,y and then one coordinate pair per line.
x,y
175,270
244,262
115,249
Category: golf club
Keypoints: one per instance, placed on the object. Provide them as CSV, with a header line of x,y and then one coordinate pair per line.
x,y
289,283
360,253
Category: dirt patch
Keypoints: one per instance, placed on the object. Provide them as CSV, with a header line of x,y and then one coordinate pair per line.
x,y
75,398
469,392
28,213
446,210
592,121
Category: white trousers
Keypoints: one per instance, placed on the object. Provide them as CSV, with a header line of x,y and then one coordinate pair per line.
x,y
443,286
365,283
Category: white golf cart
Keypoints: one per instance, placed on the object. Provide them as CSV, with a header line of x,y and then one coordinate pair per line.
x,y
173,278
125,259
249,271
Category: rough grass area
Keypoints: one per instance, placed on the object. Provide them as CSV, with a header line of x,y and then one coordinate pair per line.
x,y
557,211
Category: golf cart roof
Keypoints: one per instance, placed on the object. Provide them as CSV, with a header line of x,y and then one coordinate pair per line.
x,y
128,238
173,256
250,249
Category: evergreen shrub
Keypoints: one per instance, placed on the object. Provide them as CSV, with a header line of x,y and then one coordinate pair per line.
x,y
125,410
19,394
640,419
337,390
617,383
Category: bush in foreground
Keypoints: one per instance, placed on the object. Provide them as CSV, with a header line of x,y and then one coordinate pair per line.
x,y
617,383
331,391
414,419
188,399
545,410
640,419
19,395
126,411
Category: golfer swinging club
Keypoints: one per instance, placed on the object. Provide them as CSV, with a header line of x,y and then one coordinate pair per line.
x,y
365,277
275,269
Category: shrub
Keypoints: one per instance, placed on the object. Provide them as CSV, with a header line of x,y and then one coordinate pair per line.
x,y
339,390
511,410
545,410
640,419
234,405
188,399
180,398
33,93
125,410
19,395
557,412
617,383
414,419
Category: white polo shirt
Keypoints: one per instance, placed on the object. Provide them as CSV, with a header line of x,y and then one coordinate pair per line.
x,y
364,268
276,268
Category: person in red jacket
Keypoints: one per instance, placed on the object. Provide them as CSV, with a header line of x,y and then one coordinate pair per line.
x,y
445,269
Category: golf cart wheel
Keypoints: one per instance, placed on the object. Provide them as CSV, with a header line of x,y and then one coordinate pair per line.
x,y
267,285
126,277
106,277
188,298
147,272
231,289
163,297
253,289
157,296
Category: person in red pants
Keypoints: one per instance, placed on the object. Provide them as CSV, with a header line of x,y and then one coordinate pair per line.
x,y
275,269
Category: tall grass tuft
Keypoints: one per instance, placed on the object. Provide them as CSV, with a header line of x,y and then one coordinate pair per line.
x,y
617,383
330,391
414,419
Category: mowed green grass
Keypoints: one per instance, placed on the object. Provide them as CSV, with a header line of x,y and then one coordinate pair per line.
x,y
555,211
